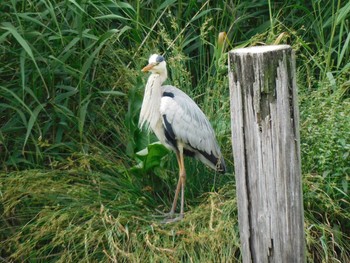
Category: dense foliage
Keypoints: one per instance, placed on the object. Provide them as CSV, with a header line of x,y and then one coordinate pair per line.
x,y
75,184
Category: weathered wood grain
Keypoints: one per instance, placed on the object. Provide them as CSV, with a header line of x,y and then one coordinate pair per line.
x,y
266,149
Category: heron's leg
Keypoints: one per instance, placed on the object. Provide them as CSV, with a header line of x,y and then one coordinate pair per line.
x,y
173,207
180,185
183,182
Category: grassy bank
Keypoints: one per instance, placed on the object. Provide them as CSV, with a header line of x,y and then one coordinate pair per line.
x,y
74,185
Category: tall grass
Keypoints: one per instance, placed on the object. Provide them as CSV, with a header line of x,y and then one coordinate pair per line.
x,y
75,186
51,81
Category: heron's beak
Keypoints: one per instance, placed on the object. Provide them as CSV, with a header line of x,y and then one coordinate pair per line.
x,y
147,68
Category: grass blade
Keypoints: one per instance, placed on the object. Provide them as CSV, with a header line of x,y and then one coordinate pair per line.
x,y
111,16
82,115
344,49
112,92
10,28
31,122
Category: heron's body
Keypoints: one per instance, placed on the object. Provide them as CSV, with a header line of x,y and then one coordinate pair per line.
x,y
178,123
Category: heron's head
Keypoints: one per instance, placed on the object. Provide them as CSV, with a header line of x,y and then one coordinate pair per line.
x,y
156,64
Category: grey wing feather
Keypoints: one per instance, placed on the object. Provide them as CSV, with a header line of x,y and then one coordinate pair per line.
x,y
188,122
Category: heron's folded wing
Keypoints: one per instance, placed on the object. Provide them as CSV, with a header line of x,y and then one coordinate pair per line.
x,y
186,122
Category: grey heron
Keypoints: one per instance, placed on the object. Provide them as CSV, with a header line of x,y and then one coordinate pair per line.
x,y
179,124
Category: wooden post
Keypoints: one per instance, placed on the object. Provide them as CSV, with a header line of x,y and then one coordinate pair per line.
x,y
266,150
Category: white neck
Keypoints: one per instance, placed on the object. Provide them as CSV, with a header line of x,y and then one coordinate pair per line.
x,y
150,114
163,76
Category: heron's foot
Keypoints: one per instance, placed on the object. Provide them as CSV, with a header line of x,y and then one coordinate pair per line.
x,y
161,214
172,218
169,217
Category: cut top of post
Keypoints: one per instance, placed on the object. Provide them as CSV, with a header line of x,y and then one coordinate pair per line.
x,y
260,49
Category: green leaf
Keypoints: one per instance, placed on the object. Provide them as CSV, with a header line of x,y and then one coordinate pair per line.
x,y
32,121
112,16
112,92
19,112
22,60
77,5
65,95
10,28
82,115
343,13
165,4
17,98
152,155
203,13
124,5
344,49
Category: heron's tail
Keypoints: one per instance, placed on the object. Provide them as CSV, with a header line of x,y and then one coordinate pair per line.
x,y
221,166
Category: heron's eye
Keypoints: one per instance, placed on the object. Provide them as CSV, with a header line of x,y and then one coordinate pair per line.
x,y
159,59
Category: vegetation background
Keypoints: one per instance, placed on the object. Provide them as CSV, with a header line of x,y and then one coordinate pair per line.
x,y
75,182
